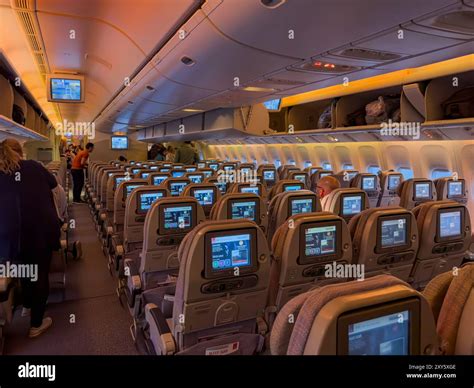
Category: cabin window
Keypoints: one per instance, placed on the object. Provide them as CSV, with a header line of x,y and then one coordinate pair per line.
x,y
327,166
373,170
347,166
277,162
307,164
406,172
440,173
292,162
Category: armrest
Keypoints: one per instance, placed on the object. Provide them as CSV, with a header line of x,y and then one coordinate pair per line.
x,y
160,333
131,271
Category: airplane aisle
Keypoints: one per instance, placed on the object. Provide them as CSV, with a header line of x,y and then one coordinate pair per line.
x,y
101,324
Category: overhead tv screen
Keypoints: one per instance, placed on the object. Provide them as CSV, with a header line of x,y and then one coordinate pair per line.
x,y
273,105
67,88
119,142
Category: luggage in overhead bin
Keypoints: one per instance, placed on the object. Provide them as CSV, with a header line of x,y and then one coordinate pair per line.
x,y
325,120
382,109
356,118
18,115
460,105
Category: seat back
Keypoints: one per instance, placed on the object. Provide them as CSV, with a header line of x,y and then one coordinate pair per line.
x,y
444,228
137,205
370,184
381,315
113,183
207,194
306,248
237,206
166,224
345,176
104,184
221,288
389,182
451,188
195,177
251,188
345,202
175,186
120,197
385,240
299,176
285,185
287,204
416,191
268,173
208,172
285,171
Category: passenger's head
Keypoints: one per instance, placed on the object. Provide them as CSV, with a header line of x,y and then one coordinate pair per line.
x,y
187,142
326,185
170,149
122,158
90,147
11,153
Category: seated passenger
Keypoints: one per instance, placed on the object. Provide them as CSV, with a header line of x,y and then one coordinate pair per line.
x,y
326,185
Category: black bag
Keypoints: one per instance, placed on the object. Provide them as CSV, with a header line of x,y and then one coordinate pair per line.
x,y
325,120
18,115
356,118
460,105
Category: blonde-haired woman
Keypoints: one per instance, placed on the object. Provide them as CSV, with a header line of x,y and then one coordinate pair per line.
x,y
29,226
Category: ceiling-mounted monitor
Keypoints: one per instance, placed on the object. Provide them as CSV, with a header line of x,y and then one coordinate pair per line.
x,y
273,105
119,142
65,88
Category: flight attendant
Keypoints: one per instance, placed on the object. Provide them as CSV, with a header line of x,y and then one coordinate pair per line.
x,y
29,226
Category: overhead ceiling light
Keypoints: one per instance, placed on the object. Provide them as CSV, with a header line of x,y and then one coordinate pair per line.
x,y
258,89
191,110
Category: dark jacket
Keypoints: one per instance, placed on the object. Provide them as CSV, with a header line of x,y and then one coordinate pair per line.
x,y
28,218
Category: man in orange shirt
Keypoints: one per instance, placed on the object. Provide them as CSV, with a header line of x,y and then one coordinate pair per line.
x,y
77,171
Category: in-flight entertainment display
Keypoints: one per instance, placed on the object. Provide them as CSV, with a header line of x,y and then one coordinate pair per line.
x,y
351,205
455,189
177,217
147,199
450,223
176,188
422,190
231,251
250,189
368,183
320,240
393,232
387,335
243,209
205,197
394,181
301,205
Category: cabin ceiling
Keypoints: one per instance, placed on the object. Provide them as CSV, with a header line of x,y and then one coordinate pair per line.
x,y
141,39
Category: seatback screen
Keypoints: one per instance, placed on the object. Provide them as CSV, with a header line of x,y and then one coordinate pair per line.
x,y
176,188
250,189
323,174
394,181
245,170
455,189
205,197
178,174
351,205
207,174
352,174
195,178
159,179
214,166
231,251
450,223
292,187
222,186
177,218
422,191
201,165
190,169
154,167
145,200
118,180
301,205
130,188
145,175
269,175
387,335
300,177
135,170
368,183
243,210
393,232
320,240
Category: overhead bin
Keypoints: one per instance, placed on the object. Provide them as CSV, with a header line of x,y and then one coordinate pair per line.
x,y
220,123
355,21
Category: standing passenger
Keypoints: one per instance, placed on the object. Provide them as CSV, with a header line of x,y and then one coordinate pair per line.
x,y
29,226
79,164
186,154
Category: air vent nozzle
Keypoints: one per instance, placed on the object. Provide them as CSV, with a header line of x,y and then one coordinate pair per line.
x,y
187,61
